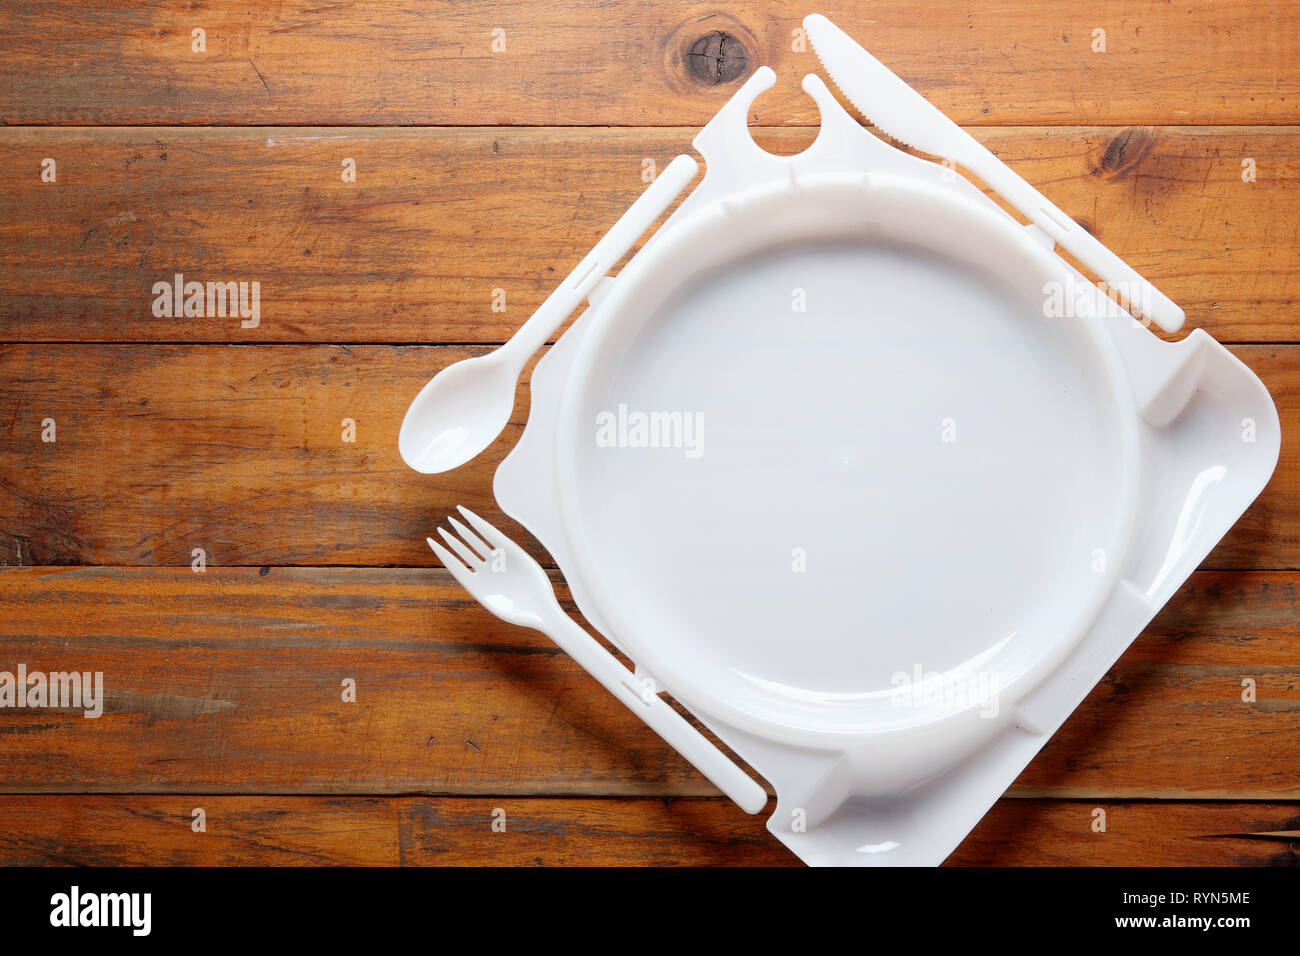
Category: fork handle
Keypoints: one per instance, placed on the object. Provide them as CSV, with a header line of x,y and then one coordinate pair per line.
x,y
655,711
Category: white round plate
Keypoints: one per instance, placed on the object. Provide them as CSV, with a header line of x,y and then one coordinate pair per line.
x,y
886,486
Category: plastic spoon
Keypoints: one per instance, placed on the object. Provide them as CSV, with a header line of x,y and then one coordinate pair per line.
x,y
463,408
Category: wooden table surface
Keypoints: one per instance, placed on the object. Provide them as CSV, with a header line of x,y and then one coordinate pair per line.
x,y
480,168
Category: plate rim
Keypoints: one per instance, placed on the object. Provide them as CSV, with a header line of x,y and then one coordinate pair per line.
x,y
676,678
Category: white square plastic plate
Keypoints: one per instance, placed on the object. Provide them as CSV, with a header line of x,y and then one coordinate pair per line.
x,y
823,465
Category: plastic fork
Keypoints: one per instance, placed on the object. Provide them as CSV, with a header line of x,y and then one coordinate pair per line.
x,y
505,579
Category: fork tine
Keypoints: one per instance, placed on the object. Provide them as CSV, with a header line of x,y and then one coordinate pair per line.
x,y
471,538
469,557
458,570
493,536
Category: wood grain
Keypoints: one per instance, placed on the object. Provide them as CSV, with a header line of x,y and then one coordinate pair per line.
x,y
617,62
92,830
234,449
230,681
440,218
238,450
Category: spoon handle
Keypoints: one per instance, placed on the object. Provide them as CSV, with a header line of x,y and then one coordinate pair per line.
x,y
613,246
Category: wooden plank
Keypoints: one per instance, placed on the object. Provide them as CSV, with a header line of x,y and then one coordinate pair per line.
x,y
599,62
231,681
439,219
239,450
1060,833
416,831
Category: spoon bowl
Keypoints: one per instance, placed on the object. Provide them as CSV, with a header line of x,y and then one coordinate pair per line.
x,y
458,413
